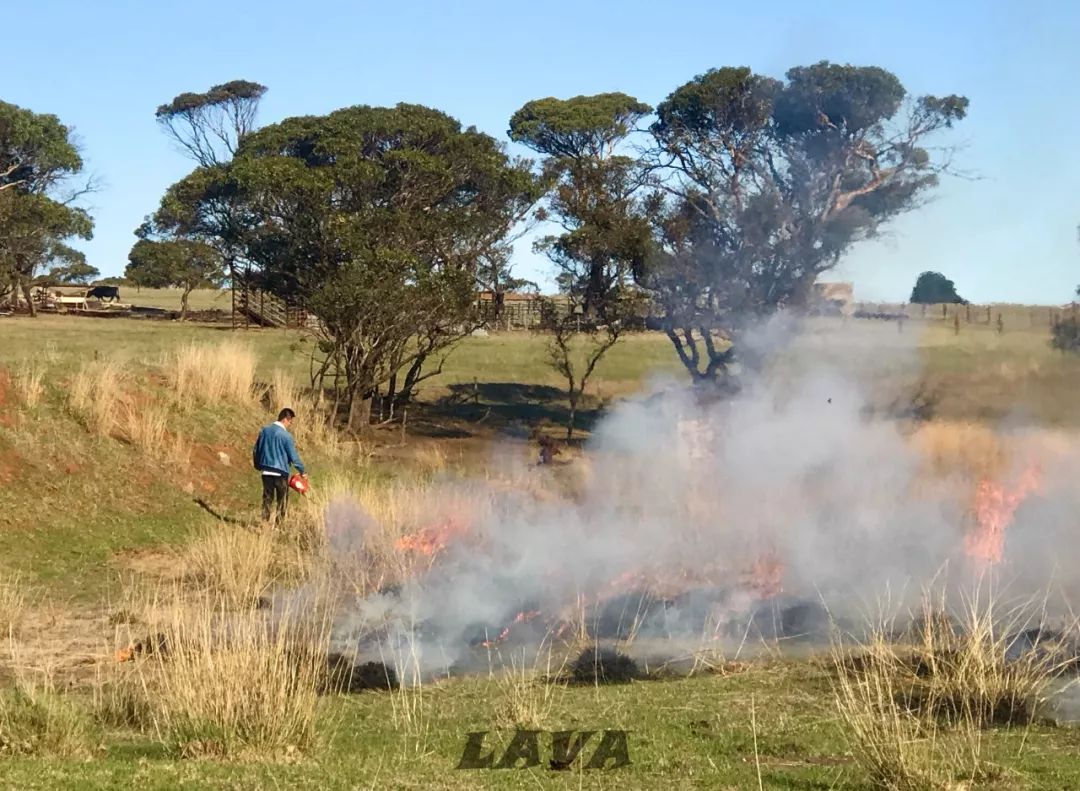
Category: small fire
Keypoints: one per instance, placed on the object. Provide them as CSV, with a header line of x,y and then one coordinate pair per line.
x,y
431,540
993,511
766,576
522,617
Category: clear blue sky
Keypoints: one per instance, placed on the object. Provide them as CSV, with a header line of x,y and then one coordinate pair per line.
x,y
104,66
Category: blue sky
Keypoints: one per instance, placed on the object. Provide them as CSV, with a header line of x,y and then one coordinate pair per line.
x,y
1011,235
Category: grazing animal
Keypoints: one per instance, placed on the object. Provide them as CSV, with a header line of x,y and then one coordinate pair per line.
x,y
111,293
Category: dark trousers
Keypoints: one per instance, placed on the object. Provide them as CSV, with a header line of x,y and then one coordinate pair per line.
x,y
275,490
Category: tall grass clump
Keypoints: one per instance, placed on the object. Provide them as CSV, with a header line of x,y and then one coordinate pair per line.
x,y
96,396
36,720
527,691
238,564
227,685
212,373
916,703
30,383
14,598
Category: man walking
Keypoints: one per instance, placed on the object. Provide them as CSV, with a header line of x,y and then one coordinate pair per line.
x,y
273,456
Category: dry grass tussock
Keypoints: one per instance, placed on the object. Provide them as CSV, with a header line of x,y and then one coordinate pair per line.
x,y
916,710
241,565
103,398
96,396
29,381
36,720
212,373
527,691
223,684
15,596
951,447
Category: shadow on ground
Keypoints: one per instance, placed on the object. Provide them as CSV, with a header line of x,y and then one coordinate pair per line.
x,y
509,407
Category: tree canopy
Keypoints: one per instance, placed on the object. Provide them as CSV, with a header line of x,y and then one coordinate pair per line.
x,y
38,214
177,263
933,288
762,185
72,268
374,218
209,126
606,237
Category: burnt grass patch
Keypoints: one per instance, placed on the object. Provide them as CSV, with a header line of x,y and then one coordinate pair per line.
x,y
596,665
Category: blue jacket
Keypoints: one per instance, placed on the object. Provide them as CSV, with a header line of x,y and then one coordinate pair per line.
x,y
275,450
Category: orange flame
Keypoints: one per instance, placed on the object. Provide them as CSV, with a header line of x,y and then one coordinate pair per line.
x,y
766,576
521,617
431,540
993,511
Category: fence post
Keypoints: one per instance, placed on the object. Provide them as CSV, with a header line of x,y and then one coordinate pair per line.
x,y
956,323
967,313
1000,324
944,310
987,314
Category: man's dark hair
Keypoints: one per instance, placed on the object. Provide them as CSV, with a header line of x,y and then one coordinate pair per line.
x,y
286,413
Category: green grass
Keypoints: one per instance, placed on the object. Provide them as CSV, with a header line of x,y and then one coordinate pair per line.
x,y
690,733
169,298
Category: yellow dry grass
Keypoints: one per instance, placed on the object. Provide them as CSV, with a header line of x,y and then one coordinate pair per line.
x,y
37,720
968,448
225,684
916,711
102,396
96,395
212,373
14,599
235,563
29,381
527,690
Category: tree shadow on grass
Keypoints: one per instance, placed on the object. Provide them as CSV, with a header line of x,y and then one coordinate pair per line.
x,y
510,406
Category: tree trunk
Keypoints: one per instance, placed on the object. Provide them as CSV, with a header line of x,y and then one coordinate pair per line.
x,y
29,298
360,413
573,399
405,395
184,304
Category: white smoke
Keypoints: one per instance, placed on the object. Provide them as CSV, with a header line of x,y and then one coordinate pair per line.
x,y
695,494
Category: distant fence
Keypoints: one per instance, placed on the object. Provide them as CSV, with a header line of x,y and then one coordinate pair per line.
x,y
1002,317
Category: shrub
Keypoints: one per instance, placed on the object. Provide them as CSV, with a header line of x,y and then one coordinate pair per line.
x,y
1065,334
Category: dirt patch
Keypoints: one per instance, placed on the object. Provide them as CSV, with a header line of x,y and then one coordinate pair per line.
x,y
71,643
157,563
10,464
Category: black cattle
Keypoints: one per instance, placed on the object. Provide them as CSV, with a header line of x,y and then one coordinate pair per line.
x,y
111,293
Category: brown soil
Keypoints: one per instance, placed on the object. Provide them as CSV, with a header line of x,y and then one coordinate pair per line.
x,y
156,563
71,643
10,464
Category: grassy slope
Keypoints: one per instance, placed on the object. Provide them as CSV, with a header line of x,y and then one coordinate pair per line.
x,y
71,501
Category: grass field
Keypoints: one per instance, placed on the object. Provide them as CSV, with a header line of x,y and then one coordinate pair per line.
x,y
105,451
169,298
